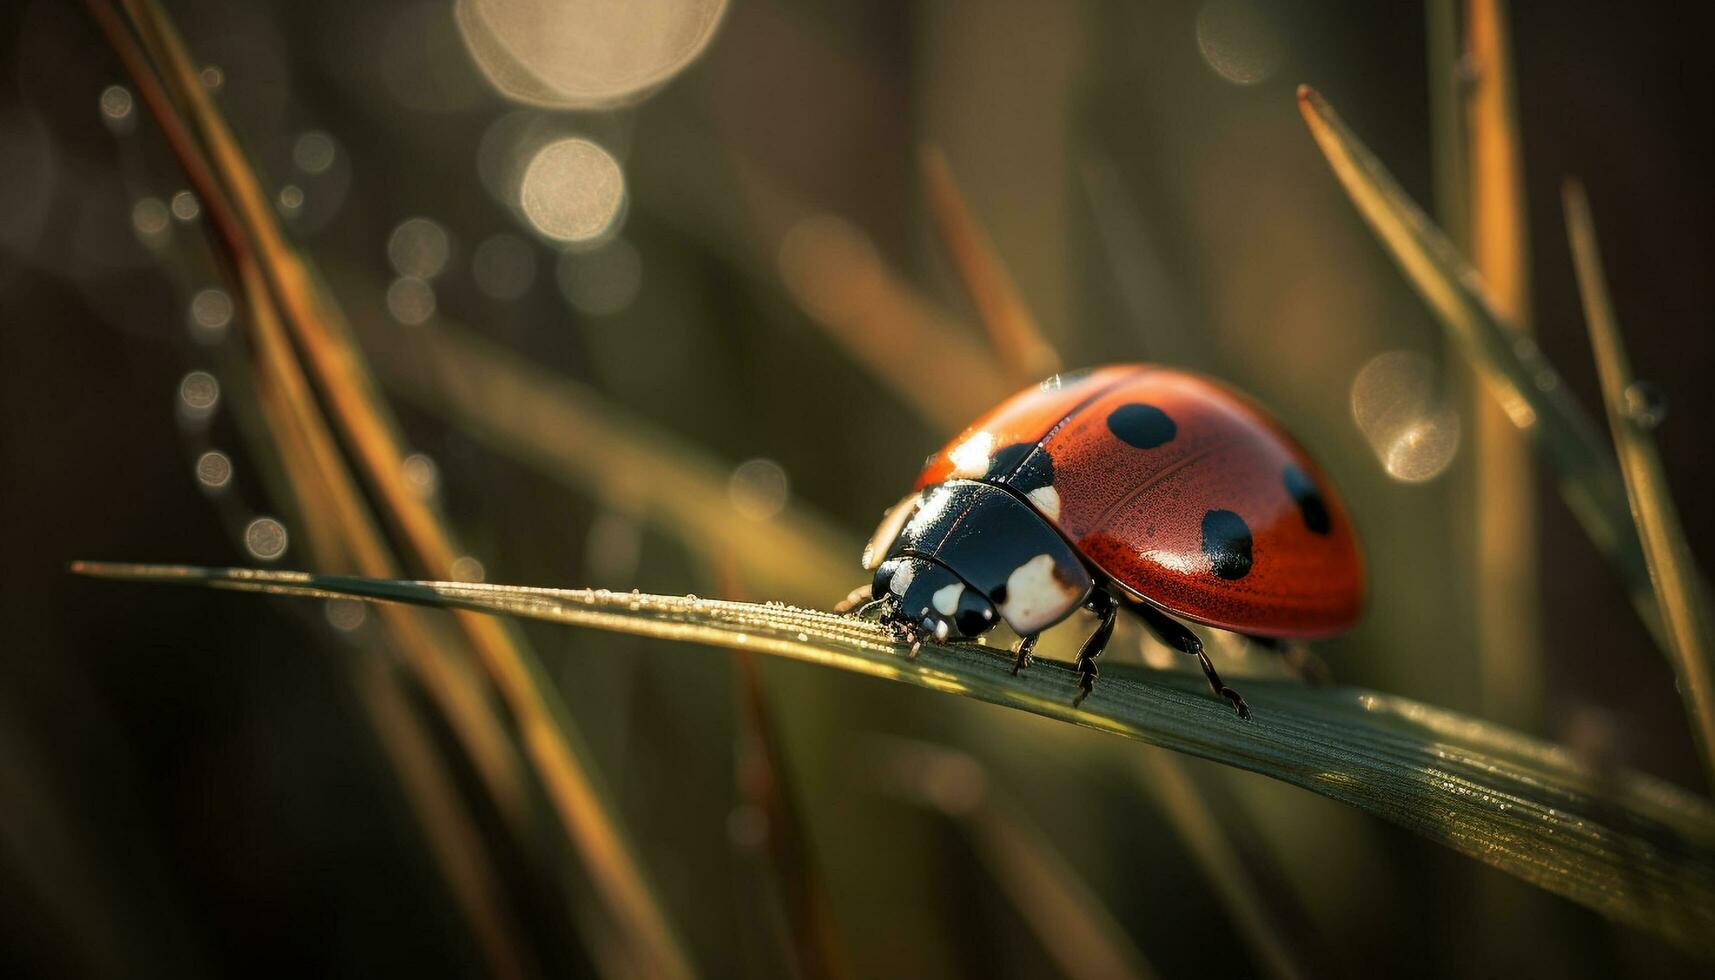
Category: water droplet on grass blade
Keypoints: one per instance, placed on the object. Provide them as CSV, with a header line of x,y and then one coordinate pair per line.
x,y
1644,404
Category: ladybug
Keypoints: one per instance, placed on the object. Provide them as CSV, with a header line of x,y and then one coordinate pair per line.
x,y
1129,486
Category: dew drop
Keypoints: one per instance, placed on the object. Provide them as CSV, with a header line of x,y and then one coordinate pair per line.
x,y
1644,404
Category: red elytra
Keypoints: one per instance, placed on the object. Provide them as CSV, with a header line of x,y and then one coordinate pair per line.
x,y
1181,491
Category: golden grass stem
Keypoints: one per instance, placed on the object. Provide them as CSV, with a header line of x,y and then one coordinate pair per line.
x,y
1628,846
1504,526
341,534
1013,332
1680,586
321,337
838,277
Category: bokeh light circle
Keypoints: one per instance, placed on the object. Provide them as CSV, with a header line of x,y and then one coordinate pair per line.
x,y
573,191
584,54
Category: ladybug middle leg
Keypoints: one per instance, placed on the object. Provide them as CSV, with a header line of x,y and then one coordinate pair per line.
x,y
1179,636
1025,646
1103,605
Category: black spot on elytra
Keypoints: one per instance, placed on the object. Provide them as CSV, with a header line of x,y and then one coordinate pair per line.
x,y
1140,425
1309,500
1227,542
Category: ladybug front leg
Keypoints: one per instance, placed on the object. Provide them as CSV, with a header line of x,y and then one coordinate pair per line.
x,y
1023,659
1179,636
1102,605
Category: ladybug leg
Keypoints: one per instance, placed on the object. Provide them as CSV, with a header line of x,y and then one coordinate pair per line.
x,y
1179,636
1102,605
1301,661
1023,659
858,601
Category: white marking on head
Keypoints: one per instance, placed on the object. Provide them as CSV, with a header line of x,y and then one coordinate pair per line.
x,y
901,579
971,457
1047,500
1035,597
946,598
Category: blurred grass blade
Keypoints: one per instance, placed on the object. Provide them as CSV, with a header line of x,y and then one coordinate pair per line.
x,y
341,534
337,367
1504,527
763,773
459,842
1679,583
1529,390
1147,289
1015,335
1199,828
572,434
1623,844
834,273
1447,120
1069,919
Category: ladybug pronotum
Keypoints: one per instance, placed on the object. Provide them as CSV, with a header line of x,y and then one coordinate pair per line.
x,y
1129,486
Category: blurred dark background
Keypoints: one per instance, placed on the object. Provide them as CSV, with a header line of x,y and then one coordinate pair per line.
x,y
187,783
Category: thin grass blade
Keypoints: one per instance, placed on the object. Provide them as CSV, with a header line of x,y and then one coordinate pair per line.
x,y
573,435
764,774
1152,299
1679,584
1068,918
1510,364
1013,332
1623,844
1199,828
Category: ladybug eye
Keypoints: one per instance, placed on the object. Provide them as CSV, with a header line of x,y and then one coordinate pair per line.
x,y
975,615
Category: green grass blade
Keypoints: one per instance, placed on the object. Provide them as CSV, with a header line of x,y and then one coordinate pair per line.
x,y
1679,584
1630,847
1510,364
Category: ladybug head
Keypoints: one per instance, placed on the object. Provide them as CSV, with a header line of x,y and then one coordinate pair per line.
x,y
924,595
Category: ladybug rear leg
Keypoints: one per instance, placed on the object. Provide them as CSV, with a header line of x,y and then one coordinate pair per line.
x,y
1301,661
1102,605
1179,636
